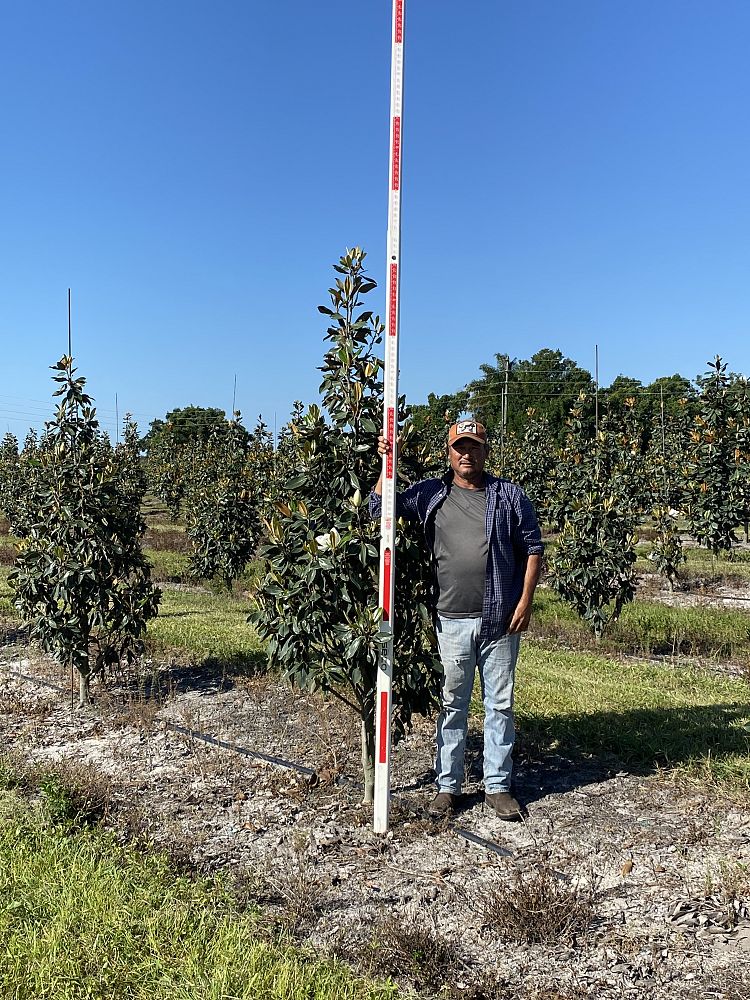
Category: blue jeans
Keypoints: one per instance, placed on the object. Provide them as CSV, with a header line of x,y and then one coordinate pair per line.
x,y
461,653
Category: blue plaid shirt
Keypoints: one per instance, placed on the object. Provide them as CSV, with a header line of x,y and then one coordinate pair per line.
x,y
512,532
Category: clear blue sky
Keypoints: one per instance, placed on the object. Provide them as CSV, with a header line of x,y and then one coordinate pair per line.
x,y
575,173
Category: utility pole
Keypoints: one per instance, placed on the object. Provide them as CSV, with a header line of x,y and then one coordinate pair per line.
x,y
504,414
596,384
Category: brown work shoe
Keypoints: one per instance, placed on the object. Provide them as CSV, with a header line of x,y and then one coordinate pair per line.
x,y
504,804
443,804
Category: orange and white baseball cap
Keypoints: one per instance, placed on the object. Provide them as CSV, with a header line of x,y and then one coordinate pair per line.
x,y
467,429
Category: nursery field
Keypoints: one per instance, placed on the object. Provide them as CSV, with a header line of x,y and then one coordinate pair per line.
x,y
202,800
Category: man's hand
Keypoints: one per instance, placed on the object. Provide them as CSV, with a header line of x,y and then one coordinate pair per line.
x,y
521,618
384,448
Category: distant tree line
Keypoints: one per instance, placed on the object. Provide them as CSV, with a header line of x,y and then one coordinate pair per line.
x,y
549,384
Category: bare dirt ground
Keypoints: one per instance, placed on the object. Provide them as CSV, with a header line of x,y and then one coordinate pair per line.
x,y
623,884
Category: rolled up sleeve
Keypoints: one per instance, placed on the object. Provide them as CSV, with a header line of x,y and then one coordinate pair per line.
x,y
529,532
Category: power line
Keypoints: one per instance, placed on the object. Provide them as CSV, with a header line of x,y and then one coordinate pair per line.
x,y
569,391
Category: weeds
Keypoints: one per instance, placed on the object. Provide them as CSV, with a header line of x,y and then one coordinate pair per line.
x,y
408,948
648,628
71,794
212,627
728,890
538,907
74,794
298,888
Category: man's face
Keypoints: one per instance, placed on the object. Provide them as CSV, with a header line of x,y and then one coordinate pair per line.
x,y
467,457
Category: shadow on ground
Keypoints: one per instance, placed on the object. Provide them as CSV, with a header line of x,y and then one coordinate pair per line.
x,y
559,754
207,675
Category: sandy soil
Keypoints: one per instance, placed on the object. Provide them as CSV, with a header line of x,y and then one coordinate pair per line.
x,y
660,865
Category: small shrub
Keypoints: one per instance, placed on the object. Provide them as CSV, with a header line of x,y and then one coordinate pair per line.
x,y
409,947
537,907
15,772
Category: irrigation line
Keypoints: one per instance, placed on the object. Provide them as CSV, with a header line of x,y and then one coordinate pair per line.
x,y
36,680
243,751
472,838
490,845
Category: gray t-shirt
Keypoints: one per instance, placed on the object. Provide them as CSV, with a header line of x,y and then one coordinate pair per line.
x,y
460,552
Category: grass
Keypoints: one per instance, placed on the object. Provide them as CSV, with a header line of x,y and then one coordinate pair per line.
x,y
169,566
210,626
6,595
650,627
646,715
83,918
701,564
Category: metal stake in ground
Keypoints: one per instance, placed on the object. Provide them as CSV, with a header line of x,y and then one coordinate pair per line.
x,y
383,703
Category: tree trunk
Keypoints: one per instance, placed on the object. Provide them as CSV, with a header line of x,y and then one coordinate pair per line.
x,y
368,755
84,690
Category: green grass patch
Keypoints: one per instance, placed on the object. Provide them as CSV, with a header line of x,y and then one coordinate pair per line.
x,y
211,626
702,565
649,627
81,917
646,715
169,566
6,595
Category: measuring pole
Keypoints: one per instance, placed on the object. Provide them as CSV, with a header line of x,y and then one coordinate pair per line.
x,y
383,704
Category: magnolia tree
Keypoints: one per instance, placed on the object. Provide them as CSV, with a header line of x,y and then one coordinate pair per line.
x,y
318,604
711,507
572,471
81,580
665,475
127,461
166,465
11,486
530,461
267,466
592,566
222,518
740,484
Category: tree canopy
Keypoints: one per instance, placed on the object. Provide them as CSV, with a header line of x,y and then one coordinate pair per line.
x,y
187,424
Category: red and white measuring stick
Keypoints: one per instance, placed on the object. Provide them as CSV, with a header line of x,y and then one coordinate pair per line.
x,y
383,704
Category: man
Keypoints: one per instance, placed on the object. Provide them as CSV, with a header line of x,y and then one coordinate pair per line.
x,y
485,545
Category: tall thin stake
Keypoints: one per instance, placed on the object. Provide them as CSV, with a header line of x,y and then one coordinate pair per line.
x,y
384,692
70,335
596,387
504,414
663,438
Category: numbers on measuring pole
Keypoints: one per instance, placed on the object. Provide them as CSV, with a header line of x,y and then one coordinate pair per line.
x,y
387,587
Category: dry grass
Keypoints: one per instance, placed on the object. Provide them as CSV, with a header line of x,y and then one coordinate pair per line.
x,y
408,948
298,889
538,906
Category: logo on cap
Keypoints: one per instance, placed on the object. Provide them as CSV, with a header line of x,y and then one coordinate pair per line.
x,y
467,428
